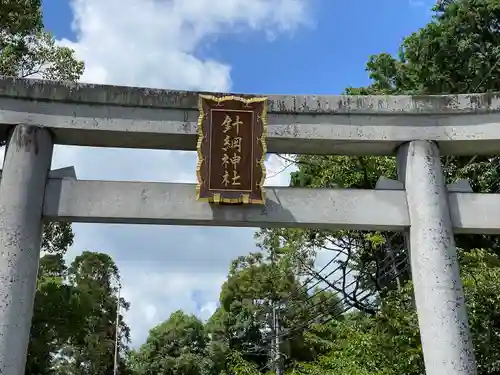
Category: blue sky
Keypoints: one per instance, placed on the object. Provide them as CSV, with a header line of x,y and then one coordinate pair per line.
x,y
323,59
257,46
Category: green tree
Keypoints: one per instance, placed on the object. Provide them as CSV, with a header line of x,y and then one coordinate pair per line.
x,y
481,278
57,313
390,342
174,347
27,50
73,328
260,288
95,279
257,284
56,317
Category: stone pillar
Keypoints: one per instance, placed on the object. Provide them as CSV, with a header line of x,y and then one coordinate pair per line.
x,y
439,296
22,187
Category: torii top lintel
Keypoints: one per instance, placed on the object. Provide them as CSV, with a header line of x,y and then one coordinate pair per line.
x,y
135,117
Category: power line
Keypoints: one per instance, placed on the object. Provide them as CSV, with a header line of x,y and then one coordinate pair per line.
x,y
339,290
293,332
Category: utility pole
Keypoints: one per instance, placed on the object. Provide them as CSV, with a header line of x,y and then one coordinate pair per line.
x,y
277,340
117,331
395,271
276,351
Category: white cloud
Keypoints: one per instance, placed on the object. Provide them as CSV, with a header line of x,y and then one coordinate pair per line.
x,y
154,43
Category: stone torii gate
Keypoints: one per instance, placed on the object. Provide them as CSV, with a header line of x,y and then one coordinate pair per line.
x,y
35,115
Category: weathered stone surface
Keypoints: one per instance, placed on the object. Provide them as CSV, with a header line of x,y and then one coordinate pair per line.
x,y
175,204
321,104
439,296
22,189
132,117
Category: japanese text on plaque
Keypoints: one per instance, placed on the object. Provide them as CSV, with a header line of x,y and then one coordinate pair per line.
x,y
231,148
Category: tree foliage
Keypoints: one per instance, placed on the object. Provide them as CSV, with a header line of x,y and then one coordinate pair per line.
x,y
27,50
176,346
95,279
73,327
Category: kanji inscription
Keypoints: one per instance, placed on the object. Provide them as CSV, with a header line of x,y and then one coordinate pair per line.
x,y
231,149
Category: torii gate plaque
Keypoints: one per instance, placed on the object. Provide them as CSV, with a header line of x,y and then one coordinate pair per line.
x,y
231,149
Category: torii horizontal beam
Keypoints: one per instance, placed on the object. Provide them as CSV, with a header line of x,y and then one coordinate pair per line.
x,y
88,201
132,117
